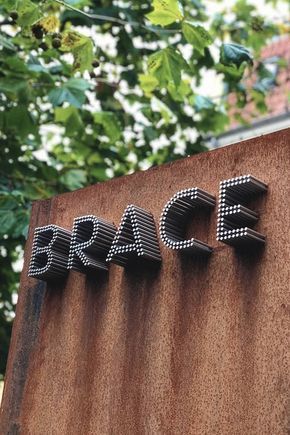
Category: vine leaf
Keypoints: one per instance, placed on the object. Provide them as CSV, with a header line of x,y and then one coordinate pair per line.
x,y
5,42
83,56
28,12
7,220
69,116
235,54
20,227
23,128
181,92
110,124
231,71
166,114
50,23
196,36
165,12
148,83
8,4
166,65
72,91
81,48
74,179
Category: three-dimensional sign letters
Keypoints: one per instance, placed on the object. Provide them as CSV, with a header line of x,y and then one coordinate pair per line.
x,y
94,243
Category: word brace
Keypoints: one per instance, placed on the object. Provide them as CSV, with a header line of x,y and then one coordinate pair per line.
x,y
94,243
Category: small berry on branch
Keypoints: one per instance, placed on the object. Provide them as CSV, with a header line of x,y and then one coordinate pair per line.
x,y
43,46
56,42
13,15
95,63
37,31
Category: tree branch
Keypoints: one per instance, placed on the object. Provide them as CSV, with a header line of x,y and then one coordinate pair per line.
x,y
117,20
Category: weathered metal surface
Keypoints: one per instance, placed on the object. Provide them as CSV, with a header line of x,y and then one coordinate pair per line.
x,y
192,347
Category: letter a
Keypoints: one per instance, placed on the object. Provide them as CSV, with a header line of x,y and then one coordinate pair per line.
x,y
135,237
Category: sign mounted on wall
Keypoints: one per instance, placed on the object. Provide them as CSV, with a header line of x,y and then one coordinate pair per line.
x,y
94,243
186,332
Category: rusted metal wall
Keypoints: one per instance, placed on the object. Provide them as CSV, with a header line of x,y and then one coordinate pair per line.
x,y
195,347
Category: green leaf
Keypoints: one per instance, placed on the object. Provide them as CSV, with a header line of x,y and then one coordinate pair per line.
x,y
74,179
215,121
7,220
21,128
81,48
165,112
9,4
37,190
196,36
49,23
150,133
16,65
235,54
83,56
231,70
94,158
71,40
110,123
79,84
148,83
34,65
181,92
5,42
7,202
165,12
60,95
198,4
71,118
72,91
99,173
264,85
20,226
166,66
28,12
203,103
243,9
11,85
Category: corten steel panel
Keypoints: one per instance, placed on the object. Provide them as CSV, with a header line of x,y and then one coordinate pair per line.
x,y
195,347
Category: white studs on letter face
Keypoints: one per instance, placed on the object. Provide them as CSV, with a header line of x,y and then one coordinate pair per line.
x,y
50,249
90,243
95,242
175,215
135,237
234,219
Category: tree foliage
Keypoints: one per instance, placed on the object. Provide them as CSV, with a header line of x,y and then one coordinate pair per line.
x,y
91,90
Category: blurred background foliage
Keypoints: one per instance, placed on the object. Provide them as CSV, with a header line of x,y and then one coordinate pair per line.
x,y
96,89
